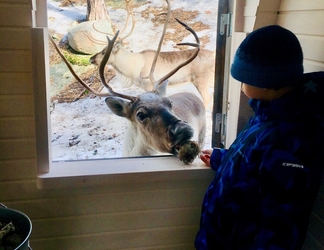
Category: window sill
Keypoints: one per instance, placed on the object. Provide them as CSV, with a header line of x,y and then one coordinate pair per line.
x,y
124,170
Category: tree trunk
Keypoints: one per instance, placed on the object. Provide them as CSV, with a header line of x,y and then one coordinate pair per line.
x,y
97,10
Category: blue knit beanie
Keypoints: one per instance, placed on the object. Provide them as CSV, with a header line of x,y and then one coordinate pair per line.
x,y
270,57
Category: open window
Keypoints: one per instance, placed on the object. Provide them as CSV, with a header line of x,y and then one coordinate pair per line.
x,y
90,165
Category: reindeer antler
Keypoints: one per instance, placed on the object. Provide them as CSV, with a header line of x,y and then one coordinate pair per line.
x,y
101,71
196,45
129,9
190,59
151,76
102,68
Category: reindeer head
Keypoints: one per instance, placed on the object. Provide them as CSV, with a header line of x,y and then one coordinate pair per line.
x,y
96,59
151,116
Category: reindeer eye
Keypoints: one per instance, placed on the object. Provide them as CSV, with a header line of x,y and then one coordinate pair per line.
x,y
168,104
141,116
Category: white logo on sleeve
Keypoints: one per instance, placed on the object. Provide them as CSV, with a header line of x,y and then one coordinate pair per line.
x,y
293,165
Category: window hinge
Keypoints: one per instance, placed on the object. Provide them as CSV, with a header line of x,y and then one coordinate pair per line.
x,y
226,21
219,122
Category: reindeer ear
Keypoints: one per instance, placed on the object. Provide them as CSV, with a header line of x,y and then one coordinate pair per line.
x,y
118,106
117,47
161,89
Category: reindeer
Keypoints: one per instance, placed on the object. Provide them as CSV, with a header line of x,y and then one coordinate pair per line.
x,y
156,124
130,67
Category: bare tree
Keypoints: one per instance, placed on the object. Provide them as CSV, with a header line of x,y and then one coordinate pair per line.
x,y
97,10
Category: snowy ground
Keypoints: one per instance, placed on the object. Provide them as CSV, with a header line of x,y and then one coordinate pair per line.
x,y
87,129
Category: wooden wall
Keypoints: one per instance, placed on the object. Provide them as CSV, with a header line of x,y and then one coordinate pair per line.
x,y
306,19
17,135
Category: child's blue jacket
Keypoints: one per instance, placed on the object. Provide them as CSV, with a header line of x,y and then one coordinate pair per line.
x,y
266,182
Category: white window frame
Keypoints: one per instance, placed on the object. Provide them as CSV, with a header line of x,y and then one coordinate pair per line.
x,y
89,172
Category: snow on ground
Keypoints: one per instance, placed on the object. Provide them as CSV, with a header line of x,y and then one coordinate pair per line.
x,y
87,129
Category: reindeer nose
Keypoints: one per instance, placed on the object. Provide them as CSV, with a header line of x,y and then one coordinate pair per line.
x,y
180,131
92,60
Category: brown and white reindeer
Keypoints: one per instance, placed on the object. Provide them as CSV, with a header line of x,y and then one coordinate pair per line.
x,y
156,124
131,67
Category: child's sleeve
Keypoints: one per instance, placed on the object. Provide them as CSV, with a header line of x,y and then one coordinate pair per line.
x,y
217,157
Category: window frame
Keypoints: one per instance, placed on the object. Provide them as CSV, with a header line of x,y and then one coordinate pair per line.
x,y
89,172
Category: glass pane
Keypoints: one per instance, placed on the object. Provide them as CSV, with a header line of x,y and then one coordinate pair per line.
x,y
83,127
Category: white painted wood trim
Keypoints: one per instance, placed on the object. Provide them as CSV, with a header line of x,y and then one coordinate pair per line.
x,y
124,170
40,64
234,93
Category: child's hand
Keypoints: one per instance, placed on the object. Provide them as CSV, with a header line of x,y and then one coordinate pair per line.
x,y
205,156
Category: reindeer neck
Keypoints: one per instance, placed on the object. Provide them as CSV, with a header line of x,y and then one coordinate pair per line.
x,y
128,63
134,144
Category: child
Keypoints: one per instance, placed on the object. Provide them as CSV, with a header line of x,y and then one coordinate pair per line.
x,y
266,182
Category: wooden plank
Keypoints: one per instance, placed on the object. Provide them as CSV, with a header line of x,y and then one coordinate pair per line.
x,y
13,38
312,47
250,11
13,170
14,15
186,246
16,83
15,61
266,5
239,16
249,24
198,187
114,222
252,2
96,203
40,69
297,5
17,127
40,13
311,66
17,149
306,23
16,105
234,93
264,19
160,239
